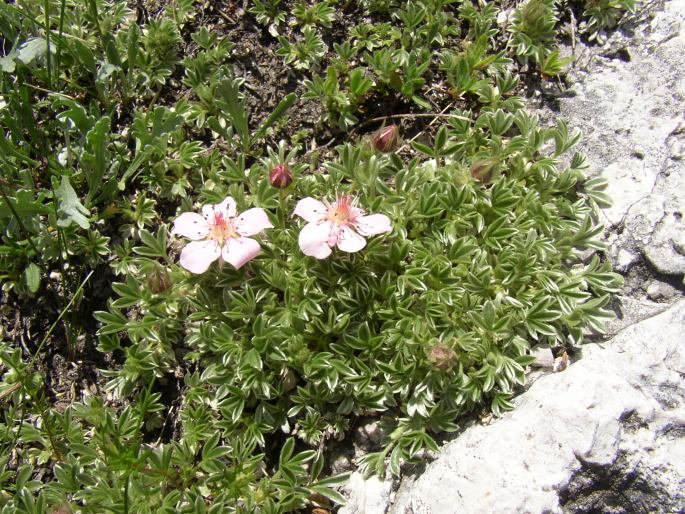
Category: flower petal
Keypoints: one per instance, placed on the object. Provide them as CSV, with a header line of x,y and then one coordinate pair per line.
x,y
198,255
350,241
311,210
251,222
190,225
313,239
226,208
373,224
239,250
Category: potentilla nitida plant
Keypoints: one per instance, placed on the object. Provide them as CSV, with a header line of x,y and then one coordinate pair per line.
x,y
374,286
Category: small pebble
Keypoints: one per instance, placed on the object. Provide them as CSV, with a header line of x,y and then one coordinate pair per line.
x,y
543,357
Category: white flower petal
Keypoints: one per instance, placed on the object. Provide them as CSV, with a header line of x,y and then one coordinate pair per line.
x,y
190,225
313,239
373,224
252,222
311,210
198,255
350,241
226,208
239,250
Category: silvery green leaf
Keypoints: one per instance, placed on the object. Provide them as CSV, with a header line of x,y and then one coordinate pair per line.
x,y
32,276
105,71
31,49
70,208
7,63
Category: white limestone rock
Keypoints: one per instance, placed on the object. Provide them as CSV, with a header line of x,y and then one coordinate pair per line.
x,y
370,496
660,291
628,99
630,310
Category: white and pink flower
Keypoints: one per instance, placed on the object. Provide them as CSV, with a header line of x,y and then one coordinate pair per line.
x,y
340,224
220,234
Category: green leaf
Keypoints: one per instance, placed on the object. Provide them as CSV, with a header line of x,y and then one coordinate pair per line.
x,y
69,207
331,494
155,246
95,158
112,322
286,451
7,63
234,109
278,112
253,359
32,277
32,49
24,204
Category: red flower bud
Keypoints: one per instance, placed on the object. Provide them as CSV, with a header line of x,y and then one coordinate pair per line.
x,y
281,176
386,139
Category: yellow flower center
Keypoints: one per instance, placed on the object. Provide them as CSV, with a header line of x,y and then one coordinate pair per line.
x,y
343,211
222,228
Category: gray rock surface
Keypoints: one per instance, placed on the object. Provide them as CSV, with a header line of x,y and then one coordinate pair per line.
x,y
370,496
628,98
611,441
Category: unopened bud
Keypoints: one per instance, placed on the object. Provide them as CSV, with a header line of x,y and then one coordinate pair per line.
x,y
442,357
289,379
280,176
158,280
484,170
62,509
386,139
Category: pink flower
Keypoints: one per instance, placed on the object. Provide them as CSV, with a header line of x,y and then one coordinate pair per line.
x,y
340,224
220,234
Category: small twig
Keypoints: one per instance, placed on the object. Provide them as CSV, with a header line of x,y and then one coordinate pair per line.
x,y
421,115
226,17
59,318
310,152
18,218
573,32
435,118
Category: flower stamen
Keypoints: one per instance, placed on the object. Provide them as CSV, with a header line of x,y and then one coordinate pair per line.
x,y
222,228
343,212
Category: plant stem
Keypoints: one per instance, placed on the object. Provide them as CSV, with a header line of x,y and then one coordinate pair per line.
x,y
48,57
19,221
59,41
59,318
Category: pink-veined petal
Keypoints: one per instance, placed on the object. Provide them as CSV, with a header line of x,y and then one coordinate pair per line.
x,y
311,210
313,239
333,236
239,250
226,208
190,225
252,222
198,255
373,224
350,241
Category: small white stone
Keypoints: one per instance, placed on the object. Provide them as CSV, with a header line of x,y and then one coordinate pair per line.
x,y
625,260
543,357
370,496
